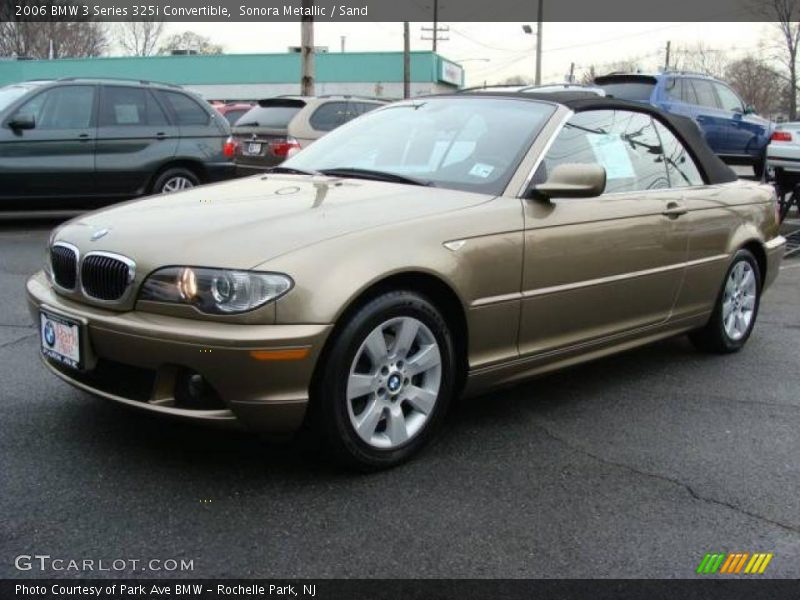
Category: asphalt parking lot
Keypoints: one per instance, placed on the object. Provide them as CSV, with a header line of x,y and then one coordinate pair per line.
x,y
633,466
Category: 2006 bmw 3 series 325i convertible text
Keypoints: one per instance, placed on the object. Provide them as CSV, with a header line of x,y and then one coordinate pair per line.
x,y
432,248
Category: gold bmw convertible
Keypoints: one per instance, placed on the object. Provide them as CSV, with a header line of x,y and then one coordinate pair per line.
x,y
432,248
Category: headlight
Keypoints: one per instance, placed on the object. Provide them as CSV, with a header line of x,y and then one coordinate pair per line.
x,y
215,291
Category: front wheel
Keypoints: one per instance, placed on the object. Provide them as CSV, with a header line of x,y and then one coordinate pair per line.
x,y
736,309
387,381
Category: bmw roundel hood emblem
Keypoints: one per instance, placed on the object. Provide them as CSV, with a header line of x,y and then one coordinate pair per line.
x,y
100,233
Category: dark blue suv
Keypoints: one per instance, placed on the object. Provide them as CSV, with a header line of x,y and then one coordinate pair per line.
x,y
731,128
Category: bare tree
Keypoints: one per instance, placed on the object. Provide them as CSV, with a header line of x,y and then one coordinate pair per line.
x,y
139,38
625,65
48,37
786,14
701,58
192,42
757,84
517,80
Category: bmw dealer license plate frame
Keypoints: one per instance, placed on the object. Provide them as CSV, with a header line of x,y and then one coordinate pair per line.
x,y
61,339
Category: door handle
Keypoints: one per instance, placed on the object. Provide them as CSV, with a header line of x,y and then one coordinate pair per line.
x,y
84,137
674,210
161,135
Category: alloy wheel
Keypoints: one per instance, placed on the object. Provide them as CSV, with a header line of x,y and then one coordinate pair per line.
x,y
176,184
394,382
739,300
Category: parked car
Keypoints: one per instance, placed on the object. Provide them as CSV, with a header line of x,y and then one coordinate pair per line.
x,y
276,127
233,110
432,247
783,159
84,142
731,128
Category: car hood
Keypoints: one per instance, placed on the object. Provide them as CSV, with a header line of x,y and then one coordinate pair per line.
x,y
243,223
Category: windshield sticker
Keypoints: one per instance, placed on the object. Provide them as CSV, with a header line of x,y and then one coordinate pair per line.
x,y
611,153
481,170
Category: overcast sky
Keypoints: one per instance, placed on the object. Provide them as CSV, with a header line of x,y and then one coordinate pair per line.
x,y
493,51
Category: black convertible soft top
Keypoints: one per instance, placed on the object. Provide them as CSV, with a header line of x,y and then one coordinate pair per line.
x,y
713,169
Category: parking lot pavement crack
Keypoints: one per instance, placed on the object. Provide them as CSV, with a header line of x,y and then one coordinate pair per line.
x,y
691,491
17,340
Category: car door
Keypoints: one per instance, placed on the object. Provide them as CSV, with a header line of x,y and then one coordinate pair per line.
x,y
746,135
709,220
600,267
134,137
712,119
55,158
202,131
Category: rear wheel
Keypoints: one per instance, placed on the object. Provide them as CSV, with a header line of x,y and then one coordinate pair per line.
x,y
175,179
736,309
387,382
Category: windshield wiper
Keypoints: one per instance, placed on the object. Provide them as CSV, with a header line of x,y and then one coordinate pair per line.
x,y
376,175
292,171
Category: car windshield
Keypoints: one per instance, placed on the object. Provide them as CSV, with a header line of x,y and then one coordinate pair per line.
x,y
471,144
10,93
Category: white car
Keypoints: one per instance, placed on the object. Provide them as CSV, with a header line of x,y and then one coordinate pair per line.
x,y
783,159
783,151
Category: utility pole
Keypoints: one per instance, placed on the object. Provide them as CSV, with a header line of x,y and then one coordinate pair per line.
x,y
307,50
406,60
666,61
436,29
344,42
539,19
571,78
435,23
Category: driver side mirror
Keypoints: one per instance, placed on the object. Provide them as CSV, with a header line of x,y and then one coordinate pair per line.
x,y
572,181
23,121
749,109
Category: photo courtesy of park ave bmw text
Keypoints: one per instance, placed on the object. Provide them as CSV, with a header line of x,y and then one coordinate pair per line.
x,y
358,299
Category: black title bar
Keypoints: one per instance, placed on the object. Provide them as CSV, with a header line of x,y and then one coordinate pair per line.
x,y
387,10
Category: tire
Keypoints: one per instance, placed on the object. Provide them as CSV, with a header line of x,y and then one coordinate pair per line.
x,y
174,180
406,392
759,166
726,332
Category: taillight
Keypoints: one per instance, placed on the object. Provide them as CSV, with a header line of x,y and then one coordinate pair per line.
x,y
229,147
781,136
283,147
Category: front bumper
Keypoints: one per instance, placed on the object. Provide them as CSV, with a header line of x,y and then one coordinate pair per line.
x,y
260,374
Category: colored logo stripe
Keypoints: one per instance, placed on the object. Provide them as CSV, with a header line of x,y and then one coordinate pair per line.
x,y
734,563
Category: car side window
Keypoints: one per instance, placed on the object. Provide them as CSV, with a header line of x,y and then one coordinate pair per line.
x,y
625,143
681,167
730,101
687,92
672,87
121,106
186,110
359,108
705,93
65,107
329,116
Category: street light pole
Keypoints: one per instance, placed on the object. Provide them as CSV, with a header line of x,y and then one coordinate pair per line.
x,y
406,60
539,18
